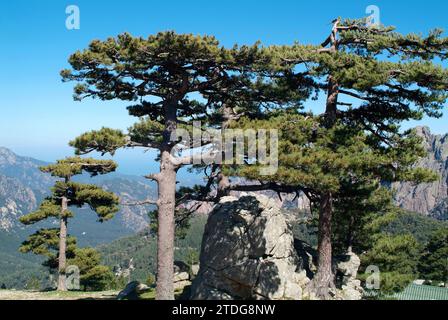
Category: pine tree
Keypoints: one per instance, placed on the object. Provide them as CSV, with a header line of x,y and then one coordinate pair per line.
x,y
397,259
160,76
374,78
357,64
65,194
433,264
93,275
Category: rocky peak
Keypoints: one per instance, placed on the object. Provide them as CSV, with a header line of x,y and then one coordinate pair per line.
x,y
428,198
436,145
7,156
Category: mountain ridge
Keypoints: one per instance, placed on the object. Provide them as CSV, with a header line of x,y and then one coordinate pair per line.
x,y
429,199
23,186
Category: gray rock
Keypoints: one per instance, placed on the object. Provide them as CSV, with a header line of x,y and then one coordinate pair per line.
x,y
248,253
132,291
347,269
181,280
428,198
181,276
194,270
181,285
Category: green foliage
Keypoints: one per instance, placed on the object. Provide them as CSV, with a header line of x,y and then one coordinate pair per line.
x,y
394,253
18,268
150,280
33,283
357,208
94,276
433,264
104,203
104,141
357,144
391,239
182,222
382,78
421,227
391,282
98,278
45,242
85,259
48,208
397,259
316,159
72,166
158,73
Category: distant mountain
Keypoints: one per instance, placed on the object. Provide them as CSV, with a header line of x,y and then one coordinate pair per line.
x,y
429,199
23,186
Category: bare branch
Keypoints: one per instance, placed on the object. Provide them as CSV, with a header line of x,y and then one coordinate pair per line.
x,y
154,177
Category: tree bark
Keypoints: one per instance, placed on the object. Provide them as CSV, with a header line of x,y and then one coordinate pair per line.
x,y
62,286
323,281
332,102
165,243
166,207
223,181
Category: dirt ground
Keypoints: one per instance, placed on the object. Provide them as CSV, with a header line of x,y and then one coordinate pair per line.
x,y
53,295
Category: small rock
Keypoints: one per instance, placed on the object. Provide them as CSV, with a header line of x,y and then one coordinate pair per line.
x,y
182,276
195,270
180,285
132,291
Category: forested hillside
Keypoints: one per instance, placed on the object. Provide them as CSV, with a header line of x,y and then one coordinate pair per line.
x,y
138,253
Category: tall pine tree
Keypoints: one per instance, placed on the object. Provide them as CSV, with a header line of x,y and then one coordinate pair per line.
x,y
373,79
67,193
166,78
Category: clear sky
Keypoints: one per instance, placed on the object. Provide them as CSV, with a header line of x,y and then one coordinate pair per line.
x,y
38,115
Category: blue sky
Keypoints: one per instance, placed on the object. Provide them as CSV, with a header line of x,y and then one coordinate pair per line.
x,y
38,115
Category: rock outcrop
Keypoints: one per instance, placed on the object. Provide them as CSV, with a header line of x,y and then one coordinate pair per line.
x,y
347,270
428,198
248,253
132,291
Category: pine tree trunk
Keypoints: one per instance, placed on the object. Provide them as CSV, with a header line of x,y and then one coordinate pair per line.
x,y
62,286
223,189
323,281
165,243
166,208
